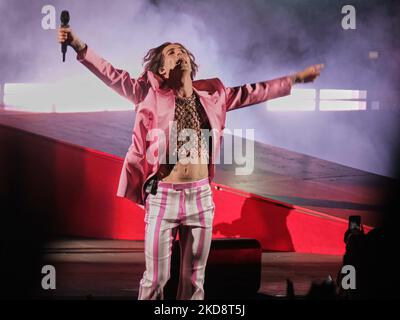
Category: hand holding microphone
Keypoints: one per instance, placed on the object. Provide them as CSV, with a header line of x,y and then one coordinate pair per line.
x,y
67,37
64,24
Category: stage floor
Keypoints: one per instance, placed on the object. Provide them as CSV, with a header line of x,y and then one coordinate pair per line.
x,y
279,174
100,269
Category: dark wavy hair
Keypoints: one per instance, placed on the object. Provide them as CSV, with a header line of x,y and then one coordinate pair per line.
x,y
154,59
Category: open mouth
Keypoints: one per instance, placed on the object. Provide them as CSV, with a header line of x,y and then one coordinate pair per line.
x,y
180,62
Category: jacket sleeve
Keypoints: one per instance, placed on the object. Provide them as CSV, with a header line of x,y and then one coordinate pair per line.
x,y
249,94
117,79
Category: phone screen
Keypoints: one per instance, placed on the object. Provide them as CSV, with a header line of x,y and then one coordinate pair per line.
x,y
354,222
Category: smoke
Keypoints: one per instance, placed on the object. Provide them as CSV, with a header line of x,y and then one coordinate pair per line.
x,y
237,41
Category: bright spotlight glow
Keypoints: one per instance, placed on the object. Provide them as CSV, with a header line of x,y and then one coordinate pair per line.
x,y
337,105
330,100
334,94
74,95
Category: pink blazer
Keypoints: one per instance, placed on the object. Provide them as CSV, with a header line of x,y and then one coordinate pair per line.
x,y
155,109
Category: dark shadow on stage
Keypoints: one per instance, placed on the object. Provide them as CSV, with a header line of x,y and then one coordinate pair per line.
x,y
256,222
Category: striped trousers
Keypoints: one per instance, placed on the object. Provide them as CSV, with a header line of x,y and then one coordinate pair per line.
x,y
187,209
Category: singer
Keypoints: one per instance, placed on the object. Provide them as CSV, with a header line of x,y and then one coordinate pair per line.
x,y
176,195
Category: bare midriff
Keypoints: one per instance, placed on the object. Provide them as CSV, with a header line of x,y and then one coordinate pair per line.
x,y
183,172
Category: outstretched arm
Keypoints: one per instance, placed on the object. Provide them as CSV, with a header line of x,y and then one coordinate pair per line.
x,y
117,79
249,94
309,74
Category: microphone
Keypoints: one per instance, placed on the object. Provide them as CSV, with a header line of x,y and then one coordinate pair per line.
x,y
64,24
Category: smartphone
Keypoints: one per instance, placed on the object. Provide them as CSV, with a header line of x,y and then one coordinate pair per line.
x,y
355,223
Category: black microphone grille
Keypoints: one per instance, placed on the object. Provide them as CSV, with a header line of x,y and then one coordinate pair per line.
x,y
64,17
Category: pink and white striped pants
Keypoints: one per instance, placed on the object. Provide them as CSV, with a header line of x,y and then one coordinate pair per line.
x,y
189,209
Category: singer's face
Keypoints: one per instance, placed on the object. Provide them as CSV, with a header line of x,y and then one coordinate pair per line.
x,y
176,60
